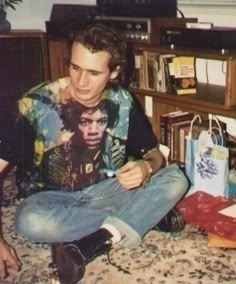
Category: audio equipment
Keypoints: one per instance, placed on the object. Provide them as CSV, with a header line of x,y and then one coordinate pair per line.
x,y
143,30
23,57
66,17
215,37
137,8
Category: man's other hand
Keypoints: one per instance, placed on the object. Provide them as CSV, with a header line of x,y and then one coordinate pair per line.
x,y
8,258
133,174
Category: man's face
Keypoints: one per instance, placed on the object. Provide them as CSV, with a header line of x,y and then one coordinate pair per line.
x,y
92,126
89,73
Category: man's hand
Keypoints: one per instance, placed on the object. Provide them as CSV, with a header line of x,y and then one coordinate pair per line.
x,y
133,174
8,258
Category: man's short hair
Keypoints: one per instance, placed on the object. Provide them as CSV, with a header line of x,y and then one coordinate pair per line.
x,y
98,37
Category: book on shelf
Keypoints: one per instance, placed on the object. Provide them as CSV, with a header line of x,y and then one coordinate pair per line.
x,y
184,75
139,76
136,73
164,73
147,73
170,122
152,70
169,73
144,65
167,129
176,139
163,119
177,74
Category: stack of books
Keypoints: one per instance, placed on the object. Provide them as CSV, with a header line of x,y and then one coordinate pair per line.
x,y
170,126
167,73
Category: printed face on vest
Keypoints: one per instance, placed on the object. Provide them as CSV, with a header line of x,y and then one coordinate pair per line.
x,y
92,126
89,73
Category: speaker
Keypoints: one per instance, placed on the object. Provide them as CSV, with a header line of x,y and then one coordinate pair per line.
x,y
24,61
72,12
65,18
138,8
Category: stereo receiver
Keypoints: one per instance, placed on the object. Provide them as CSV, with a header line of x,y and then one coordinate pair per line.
x,y
143,30
213,38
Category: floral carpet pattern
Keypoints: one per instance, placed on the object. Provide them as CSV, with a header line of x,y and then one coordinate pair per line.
x,y
162,258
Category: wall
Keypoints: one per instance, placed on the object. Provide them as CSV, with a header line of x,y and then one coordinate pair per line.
x,y
219,16
32,14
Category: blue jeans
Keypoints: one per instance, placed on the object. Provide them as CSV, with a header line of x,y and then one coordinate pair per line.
x,y
59,216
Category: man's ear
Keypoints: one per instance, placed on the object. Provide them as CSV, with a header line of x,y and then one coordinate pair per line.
x,y
114,74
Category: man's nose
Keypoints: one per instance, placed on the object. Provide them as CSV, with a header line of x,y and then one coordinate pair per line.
x,y
82,78
94,127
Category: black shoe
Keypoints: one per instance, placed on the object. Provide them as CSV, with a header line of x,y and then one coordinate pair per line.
x,y
172,222
71,258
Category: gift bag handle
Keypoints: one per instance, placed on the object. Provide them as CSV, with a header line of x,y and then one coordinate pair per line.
x,y
205,141
197,116
213,117
219,128
204,145
215,137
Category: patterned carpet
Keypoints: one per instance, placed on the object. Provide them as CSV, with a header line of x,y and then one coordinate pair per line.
x,y
163,258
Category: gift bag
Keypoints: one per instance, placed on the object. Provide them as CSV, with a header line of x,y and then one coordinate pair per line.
x,y
191,147
214,128
211,165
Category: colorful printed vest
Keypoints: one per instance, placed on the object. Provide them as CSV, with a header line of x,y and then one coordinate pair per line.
x,y
74,144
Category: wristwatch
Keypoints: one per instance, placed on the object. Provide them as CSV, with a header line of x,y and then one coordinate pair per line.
x,y
150,171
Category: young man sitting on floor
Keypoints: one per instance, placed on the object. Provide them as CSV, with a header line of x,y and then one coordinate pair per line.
x,y
97,164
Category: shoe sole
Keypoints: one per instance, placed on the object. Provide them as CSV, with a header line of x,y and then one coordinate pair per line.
x,y
68,271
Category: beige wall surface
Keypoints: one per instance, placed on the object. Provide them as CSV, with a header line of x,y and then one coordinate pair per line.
x,y
32,14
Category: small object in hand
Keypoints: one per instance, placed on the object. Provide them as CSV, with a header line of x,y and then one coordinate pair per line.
x,y
109,172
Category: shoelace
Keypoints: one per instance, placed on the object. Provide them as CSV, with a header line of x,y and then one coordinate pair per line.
x,y
118,267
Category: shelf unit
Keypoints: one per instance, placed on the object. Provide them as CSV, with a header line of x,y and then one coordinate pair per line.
x,y
219,97
209,98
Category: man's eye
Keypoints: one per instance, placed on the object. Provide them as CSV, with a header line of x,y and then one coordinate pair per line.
x,y
74,67
94,73
103,121
84,123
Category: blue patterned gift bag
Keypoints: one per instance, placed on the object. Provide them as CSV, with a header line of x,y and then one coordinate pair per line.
x,y
191,147
211,166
